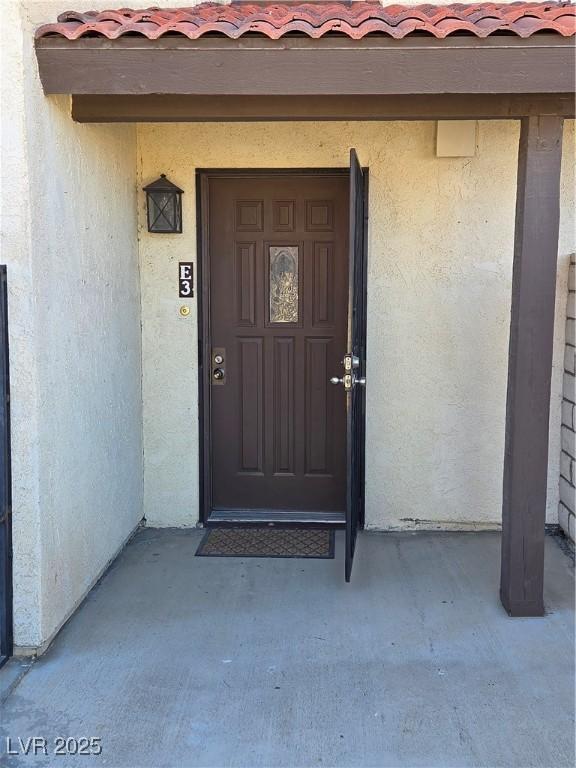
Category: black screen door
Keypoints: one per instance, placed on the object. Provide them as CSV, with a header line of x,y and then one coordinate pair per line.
x,y
355,360
5,490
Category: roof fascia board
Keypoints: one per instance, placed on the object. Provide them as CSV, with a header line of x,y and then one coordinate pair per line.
x,y
543,63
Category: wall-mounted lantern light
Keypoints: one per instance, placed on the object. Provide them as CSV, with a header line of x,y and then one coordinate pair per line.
x,y
164,206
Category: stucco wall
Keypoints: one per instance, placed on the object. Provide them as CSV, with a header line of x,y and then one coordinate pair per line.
x,y
70,243
439,285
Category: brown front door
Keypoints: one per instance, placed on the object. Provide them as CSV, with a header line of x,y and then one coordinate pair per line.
x,y
278,311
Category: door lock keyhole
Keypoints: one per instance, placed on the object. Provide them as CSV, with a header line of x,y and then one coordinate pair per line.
x,y
218,365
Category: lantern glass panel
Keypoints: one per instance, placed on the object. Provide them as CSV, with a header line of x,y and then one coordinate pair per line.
x,y
164,212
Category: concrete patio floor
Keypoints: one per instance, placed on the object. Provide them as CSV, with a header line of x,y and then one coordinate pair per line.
x,y
181,661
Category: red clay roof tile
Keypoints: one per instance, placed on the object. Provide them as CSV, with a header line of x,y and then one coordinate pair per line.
x,y
315,19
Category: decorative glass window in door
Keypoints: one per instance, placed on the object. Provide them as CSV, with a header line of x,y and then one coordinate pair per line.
x,y
284,284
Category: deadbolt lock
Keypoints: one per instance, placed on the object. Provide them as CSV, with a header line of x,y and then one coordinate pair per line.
x,y
351,362
218,365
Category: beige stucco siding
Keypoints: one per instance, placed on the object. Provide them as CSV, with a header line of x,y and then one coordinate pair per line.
x,y
69,240
88,351
439,284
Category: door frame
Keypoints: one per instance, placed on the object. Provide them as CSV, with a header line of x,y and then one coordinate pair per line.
x,y
203,176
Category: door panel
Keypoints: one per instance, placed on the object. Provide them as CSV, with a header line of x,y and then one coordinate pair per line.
x,y
251,405
319,355
278,298
245,284
323,285
284,403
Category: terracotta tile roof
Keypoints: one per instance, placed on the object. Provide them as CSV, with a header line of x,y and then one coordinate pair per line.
x,y
315,19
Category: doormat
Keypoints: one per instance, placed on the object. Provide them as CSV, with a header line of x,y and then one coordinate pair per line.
x,y
267,542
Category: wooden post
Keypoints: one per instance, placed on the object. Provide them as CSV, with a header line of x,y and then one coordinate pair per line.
x,y
530,365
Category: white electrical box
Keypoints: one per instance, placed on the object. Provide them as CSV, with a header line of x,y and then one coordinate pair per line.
x,y
456,138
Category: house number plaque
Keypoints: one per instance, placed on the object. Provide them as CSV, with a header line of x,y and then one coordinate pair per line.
x,y
185,279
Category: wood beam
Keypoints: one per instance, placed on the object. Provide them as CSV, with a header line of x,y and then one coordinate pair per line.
x,y
153,108
530,365
301,66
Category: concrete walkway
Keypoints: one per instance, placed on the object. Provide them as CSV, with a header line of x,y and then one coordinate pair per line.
x,y
181,661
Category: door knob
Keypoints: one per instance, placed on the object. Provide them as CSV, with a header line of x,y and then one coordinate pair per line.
x,y
218,374
346,380
349,381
